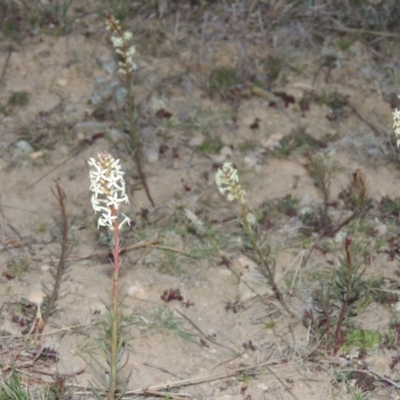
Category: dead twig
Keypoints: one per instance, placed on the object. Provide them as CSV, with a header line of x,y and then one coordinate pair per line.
x,y
173,249
383,378
60,195
197,380
125,249
10,49
70,374
146,364
149,243
201,379
202,333
282,383
362,119
342,28
26,364
167,395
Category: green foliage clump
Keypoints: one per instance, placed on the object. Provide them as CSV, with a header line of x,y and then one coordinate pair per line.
x,y
19,99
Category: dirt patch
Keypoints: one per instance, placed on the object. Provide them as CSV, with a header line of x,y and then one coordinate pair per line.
x,y
302,118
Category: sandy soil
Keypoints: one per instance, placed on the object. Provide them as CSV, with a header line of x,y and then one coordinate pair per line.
x,y
229,337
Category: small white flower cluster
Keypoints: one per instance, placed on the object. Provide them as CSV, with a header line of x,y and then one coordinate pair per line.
x,y
108,187
120,41
396,124
227,180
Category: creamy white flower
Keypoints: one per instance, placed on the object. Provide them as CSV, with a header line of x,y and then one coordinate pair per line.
x,y
120,41
131,52
108,187
127,36
117,42
227,180
125,220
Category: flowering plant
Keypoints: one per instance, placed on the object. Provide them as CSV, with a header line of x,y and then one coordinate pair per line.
x,y
120,40
227,180
108,187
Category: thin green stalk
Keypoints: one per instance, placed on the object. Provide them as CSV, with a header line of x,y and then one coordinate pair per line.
x,y
227,180
136,144
264,262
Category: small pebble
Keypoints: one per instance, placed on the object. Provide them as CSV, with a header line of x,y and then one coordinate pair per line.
x,y
36,155
137,291
62,82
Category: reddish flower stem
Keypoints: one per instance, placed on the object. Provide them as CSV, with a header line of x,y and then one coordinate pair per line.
x,y
114,313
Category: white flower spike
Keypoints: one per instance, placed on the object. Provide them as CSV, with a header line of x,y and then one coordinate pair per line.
x,y
120,41
227,180
108,187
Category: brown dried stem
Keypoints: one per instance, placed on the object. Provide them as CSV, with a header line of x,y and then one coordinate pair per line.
x,y
60,195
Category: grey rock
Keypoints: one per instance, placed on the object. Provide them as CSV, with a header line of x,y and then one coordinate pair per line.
x,y
24,146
